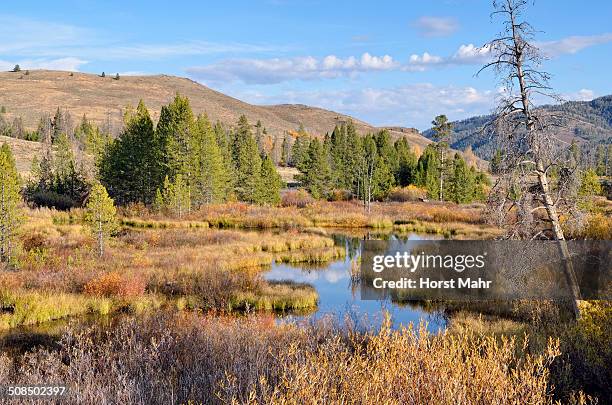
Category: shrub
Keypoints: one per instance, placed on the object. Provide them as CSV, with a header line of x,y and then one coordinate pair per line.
x,y
115,284
410,193
296,198
340,195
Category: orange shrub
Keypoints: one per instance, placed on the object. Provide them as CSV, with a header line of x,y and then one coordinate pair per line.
x,y
296,198
114,284
410,193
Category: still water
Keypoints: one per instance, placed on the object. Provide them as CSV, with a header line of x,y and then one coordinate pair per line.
x,y
339,298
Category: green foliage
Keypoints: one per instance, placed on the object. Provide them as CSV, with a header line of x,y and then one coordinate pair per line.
x,y
406,163
461,187
590,184
131,168
101,215
428,172
174,131
299,152
17,68
271,183
175,197
316,171
210,175
57,181
10,213
247,163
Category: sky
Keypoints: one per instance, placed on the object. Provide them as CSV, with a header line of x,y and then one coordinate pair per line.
x,y
385,62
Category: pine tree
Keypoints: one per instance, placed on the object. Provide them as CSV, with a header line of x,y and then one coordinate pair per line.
x,y
382,180
316,177
428,172
132,167
210,177
225,148
247,163
174,130
407,162
100,214
10,213
270,184
461,183
176,196
299,152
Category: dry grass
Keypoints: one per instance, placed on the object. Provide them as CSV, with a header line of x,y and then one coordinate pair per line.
x,y
182,359
186,266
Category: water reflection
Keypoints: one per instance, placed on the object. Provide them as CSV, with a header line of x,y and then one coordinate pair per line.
x,y
339,296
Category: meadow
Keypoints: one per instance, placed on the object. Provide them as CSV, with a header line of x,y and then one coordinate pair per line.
x,y
188,316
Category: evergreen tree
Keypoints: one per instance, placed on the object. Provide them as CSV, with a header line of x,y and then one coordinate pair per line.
x,y
382,180
176,196
10,213
174,131
270,184
100,214
461,183
316,177
407,162
386,150
428,172
210,177
17,68
225,148
299,153
247,163
132,167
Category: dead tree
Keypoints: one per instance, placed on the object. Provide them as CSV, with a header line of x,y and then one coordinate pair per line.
x,y
537,184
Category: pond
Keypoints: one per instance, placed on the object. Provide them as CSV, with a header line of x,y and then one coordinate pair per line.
x,y
339,297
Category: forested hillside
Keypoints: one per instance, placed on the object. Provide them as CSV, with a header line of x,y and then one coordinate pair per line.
x,y
589,123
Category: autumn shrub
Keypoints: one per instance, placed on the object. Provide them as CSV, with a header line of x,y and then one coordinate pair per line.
x,y
115,284
410,193
340,195
296,198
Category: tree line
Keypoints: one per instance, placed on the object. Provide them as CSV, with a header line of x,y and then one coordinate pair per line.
x,y
368,167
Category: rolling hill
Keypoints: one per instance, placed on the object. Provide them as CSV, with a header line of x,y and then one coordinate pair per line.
x,y
587,122
103,98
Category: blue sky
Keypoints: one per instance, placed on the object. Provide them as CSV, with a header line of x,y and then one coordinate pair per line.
x,y
386,62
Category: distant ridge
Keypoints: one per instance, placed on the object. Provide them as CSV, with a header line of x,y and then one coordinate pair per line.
x,y
104,98
587,122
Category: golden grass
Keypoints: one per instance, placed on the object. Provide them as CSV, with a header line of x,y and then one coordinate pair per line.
x,y
193,359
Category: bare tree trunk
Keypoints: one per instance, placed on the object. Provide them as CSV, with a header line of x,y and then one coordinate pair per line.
x,y
549,204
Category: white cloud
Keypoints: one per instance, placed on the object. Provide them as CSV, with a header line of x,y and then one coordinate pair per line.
x,y
69,64
436,26
277,70
409,105
573,44
580,95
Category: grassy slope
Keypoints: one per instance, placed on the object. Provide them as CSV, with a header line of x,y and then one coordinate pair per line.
x,y
43,91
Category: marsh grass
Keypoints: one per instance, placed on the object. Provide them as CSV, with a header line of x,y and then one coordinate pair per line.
x,y
193,359
276,296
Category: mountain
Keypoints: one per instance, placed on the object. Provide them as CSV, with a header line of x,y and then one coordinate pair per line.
x,y
103,99
587,122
